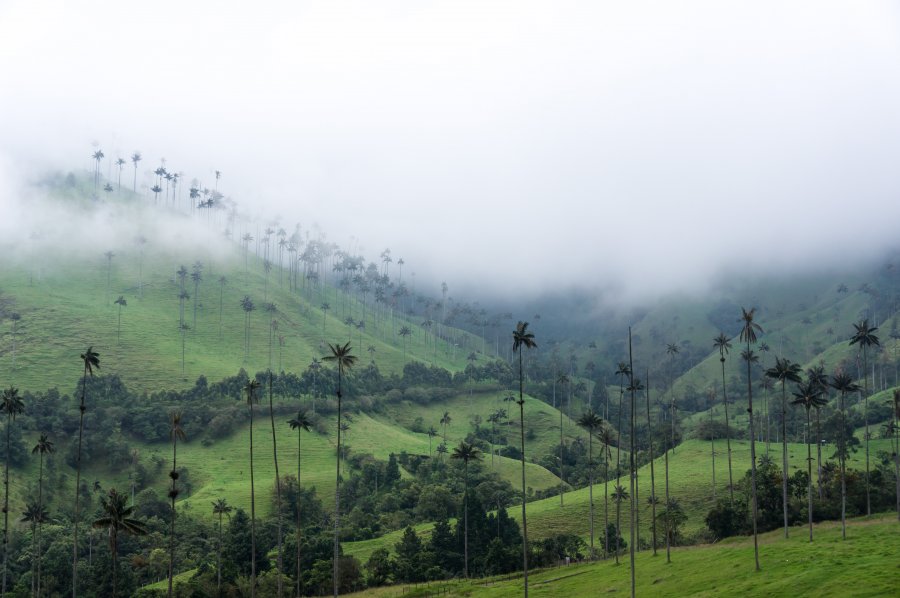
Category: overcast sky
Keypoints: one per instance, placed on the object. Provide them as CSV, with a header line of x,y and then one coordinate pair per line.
x,y
497,145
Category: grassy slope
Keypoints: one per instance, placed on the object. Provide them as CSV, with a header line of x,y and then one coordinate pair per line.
x,y
863,565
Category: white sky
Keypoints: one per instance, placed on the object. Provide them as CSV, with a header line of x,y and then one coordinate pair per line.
x,y
496,145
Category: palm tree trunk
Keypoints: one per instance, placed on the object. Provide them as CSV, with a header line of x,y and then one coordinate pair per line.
x,y
82,409
712,448
606,502
252,512
466,520
752,458
842,456
784,458
866,414
277,489
819,453
562,475
337,493
591,485
298,511
652,473
727,434
37,553
173,493
809,473
668,524
115,565
219,560
6,504
631,468
522,431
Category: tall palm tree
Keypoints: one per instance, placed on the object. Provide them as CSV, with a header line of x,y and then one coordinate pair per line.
x,y
343,357
251,389
749,330
672,351
279,538
466,452
120,162
523,339
135,158
43,447
35,515
301,423
783,371
11,404
563,380
653,501
622,371
843,383
222,282
817,377
809,395
404,332
121,302
91,360
220,508
248,307
606,438
895,440
865,338
591,422
723,344
177,433
445,421
632,470
115,518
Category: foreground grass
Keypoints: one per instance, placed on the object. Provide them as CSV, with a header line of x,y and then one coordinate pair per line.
x,y
863,565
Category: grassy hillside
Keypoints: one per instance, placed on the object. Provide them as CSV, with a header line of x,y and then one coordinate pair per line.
x,y
862,565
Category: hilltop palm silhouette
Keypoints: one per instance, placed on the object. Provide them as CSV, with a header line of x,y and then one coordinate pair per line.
x,y
749,331
783,371
523,339
466,452
342,356
301,423
90,359
865,338
809,396
723,344
116,517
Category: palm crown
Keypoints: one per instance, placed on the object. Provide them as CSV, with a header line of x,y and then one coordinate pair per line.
x,y
784,370
523,338
864,335
342,355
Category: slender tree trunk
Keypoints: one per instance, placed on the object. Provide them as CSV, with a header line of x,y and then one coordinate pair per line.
x,y
173,493
115,565
6,505
337,493
524,521
819,453
784,458
252,511
712,438
562,475
38,554
119,326
842,456
591,486
631,467
219,560
652,473
809,460
466,520
81,409
277,489
299,430
727,434
668,522
866,414
752,459
606,501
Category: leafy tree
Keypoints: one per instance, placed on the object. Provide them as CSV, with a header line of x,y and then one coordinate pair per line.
x,y
748,335
591,422
783,371
301,423
865,338
116,517
723,344
176,432
220,508
91,360
379,568
466,452
522,339
809,396
11,404
342,356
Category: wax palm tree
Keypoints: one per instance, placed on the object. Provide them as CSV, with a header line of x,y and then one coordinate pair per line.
x,y
784,371
220,508
622,371
818,378
723,344
865,338
91,360
895,440
279,537
843,383
523,339
11,404
466,452
251,389
248,307
432,433
404,332
445,421
591,422
652,500
36,515
563,381
619,494
809,395
97,156
120,162
301,423
749,330
176,432
672,351
607,438
342,356
121,302
116,517
135,158
635,532
43,447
